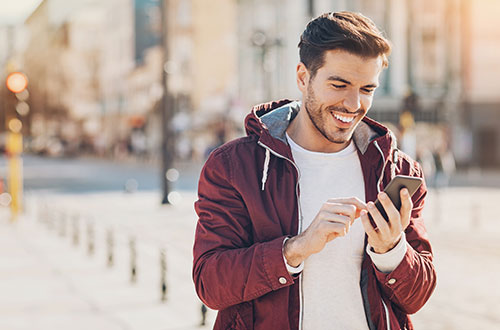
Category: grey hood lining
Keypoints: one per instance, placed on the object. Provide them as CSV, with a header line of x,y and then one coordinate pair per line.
x,y
277,121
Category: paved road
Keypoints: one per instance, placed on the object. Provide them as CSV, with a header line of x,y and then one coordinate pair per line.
x,y
84,175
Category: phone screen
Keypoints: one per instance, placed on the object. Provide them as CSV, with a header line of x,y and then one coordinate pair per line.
x,y
393,191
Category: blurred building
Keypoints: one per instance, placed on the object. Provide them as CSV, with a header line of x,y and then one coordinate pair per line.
x,y
78,59
97,68
481,99
214,54
200,66
147,27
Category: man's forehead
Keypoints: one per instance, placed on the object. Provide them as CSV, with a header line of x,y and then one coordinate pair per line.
x,y
351,67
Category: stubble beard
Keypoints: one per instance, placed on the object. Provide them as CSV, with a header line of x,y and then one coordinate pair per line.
x,y
317,114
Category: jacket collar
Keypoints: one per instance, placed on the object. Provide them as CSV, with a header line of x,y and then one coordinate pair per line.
x,y
271,120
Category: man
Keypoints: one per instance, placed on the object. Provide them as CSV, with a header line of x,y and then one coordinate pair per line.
x,y
283,239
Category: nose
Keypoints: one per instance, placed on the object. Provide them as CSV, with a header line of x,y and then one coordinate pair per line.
x,y
352,101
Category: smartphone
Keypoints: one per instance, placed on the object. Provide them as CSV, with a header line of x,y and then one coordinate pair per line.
x,y
393,191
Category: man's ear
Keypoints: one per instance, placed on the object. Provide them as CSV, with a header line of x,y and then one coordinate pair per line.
x,y
302,77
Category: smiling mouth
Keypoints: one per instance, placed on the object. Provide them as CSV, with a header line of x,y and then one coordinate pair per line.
x,y
344,119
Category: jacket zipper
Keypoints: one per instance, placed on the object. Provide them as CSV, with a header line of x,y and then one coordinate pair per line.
x,y
387,319
301,297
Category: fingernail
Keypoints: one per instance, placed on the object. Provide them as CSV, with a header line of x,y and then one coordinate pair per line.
x,y
370,205
363,212
382,195
405,191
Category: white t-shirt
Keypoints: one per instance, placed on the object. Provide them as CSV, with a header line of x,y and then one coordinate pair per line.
x,y
330,285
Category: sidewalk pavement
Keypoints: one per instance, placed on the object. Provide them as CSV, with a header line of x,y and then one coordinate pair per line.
x,y
49,282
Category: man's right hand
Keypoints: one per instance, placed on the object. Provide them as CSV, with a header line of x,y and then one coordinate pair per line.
x,y
333,220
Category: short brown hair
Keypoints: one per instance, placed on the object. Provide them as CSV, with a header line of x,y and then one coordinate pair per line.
x,y
349,31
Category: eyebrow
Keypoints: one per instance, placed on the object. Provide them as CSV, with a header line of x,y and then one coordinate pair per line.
x,y
337,78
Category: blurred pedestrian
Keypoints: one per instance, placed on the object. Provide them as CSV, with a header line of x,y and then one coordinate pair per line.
x,y
426,159
408,139
279,243
445,166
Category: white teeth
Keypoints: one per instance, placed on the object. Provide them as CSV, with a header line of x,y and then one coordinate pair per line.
x,y
343,119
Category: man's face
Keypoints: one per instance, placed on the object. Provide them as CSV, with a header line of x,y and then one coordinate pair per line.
x,y
340,94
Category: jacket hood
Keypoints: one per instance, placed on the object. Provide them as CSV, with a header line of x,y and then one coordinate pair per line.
x,y
269,122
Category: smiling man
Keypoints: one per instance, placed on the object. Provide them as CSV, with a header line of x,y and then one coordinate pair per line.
x,y
283,238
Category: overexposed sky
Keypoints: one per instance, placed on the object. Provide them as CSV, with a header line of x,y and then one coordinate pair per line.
x,y
16,11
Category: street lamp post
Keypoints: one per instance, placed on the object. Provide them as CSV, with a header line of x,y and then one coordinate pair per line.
x,y
167,145
310,8
16,82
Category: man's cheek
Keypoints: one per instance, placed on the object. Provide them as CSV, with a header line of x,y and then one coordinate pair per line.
x,y
367,103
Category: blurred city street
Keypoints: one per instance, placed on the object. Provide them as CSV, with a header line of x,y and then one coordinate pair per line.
x,y
49,280
108,109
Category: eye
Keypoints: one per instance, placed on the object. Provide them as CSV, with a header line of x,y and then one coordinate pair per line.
x,y
368,90
338,86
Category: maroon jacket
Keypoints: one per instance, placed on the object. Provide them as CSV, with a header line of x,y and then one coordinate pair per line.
x,y
248,204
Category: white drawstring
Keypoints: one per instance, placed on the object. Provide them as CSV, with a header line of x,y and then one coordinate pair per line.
x,y
394,162
266,168
393,165
383,166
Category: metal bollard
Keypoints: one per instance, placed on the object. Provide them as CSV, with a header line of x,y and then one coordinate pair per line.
x,y
76,230
90,239
203,314
163,275
110,243
133,263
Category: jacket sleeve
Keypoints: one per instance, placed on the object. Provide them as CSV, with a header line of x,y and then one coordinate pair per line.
x,y
411,284
228,267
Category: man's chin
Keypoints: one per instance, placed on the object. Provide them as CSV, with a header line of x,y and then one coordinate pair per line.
x,y
339,142
341,139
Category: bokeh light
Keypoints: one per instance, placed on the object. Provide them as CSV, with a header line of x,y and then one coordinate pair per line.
x,y
15,125
16,82
172,175
174,198
5,199
22,108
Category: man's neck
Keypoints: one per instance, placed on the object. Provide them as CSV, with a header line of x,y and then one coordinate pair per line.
x,y
303,132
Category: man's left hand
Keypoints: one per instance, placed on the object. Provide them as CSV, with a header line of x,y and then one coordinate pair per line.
x,y
387,234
